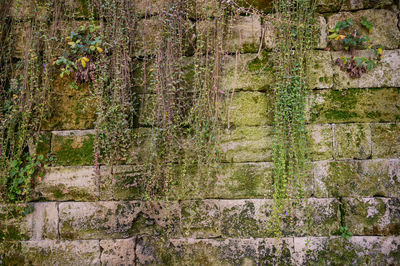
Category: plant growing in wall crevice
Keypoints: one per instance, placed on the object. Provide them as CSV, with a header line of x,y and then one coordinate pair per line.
x,y
351,39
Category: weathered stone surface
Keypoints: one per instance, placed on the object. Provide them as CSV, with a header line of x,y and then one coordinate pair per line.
x,y
364,4
385,31
275,251
320,142
383,75
245,35
323,33
247,144
328,5
319,70
71,112
249,109
122,182
261,5
50,252
45,221
118,252
372,216
357,178
355,105
385,140
197,251
338,251
73,147
107,219
247,72
69,183
243,180
352,141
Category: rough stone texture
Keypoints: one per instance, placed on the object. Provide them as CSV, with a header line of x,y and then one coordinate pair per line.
x,y
337,251
357,178
364,4
71,112
385,31
118,252
50,252
355,105
247,144
383,75
247,72
45,221
243,180
107,220
40,222
352,141
73,147
385,140
122,182
320,142
372,216
320,71
249,109
69,183
328,5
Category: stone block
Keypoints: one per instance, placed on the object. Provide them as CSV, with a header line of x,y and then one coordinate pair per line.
x,y
247,144
385,140
197,251
118,251
365,4
357,178
248,109
69,184
352,141
324,6
361,250
372,216
276,251
243,180
264,6
385,31
73,147
45,221
354,105
320,71
247,72
200,219
383,75
50,252
320,142
71,112
108,219
122,182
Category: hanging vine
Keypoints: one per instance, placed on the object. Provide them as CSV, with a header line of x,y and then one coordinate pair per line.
x,y
294,24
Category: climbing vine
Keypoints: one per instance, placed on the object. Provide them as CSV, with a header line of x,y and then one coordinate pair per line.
x,y
294,25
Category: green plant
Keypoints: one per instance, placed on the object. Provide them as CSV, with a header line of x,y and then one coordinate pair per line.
x,y
83,48
23,171
352,39
345,233
295,27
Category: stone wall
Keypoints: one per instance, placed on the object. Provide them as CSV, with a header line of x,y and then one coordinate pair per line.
x,y
354,132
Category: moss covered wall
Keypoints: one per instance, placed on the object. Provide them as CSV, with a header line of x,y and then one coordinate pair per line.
x,y
354,134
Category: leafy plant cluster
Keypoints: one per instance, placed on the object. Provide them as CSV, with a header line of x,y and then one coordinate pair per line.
x,y
352,39
84,47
